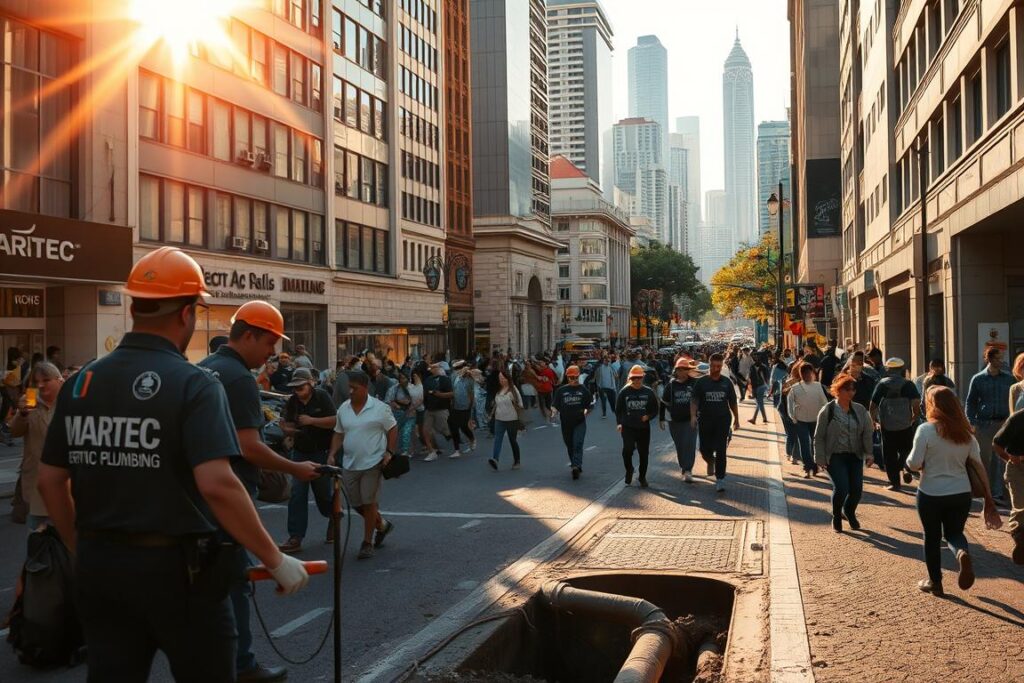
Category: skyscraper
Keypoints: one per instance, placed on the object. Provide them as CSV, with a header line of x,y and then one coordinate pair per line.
x,y
687,136
773,167
580,87
515,253
678,184
640,171
716,246
738,108
648,81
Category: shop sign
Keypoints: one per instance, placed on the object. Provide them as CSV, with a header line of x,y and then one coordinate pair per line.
x,y
238,284
21,303
373,331
993,335
109,297
61,248
294,284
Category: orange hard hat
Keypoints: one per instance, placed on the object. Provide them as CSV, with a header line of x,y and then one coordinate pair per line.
x,y
166,273
636,371
263,315
685,363
572,371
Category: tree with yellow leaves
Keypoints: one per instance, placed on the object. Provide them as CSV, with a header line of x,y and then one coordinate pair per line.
x,y
747,282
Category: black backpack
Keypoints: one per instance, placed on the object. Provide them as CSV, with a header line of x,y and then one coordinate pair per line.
x,y
44,627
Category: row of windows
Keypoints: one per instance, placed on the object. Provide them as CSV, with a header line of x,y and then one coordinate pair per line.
x,y
587,292
923,45
416,254
271,64
421,210
876,200
418,129
178,213
359,109
360,247
421,12
375,6
357,44
176,115
360,178
421,170
303,14
419,49
587,269
419,89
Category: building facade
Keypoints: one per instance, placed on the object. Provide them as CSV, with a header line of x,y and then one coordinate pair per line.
x,y
939,254
593,257
716,236
580,86
678,184
647,64
738,130
515,297
640,171
773,167
687,136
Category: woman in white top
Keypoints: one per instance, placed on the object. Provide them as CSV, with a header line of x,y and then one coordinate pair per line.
x,y
416,394
507,404
943,447
804,401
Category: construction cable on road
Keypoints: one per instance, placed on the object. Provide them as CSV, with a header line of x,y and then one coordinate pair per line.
x,y
414,667
327,632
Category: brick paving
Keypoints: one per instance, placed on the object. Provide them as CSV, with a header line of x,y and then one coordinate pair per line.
x,y
866,619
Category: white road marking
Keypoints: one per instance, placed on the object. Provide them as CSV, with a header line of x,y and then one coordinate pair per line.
x,y
541,427
398,657
471,523
4,590
272,506
590,448
296,624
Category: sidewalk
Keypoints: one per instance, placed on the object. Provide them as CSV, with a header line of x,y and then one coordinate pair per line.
x,y
10,459
866,618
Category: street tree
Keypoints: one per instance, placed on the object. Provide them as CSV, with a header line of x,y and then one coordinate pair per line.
x,y
660,267
747,283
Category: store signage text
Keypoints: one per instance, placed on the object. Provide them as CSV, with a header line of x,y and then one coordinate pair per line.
x,y
23,243
239,280
294,284
21,303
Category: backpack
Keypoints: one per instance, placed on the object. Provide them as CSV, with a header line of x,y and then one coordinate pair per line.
x,y
45,631
895,413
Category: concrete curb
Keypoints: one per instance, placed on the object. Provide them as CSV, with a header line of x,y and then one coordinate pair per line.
x,y
790,648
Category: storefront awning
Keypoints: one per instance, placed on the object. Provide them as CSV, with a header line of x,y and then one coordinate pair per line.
x,y
45,248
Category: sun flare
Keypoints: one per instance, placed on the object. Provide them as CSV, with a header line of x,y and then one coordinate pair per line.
x,y
182,23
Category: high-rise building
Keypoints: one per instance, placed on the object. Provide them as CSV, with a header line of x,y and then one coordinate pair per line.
x,y
580,87
640,171
679,214
593,261
648,81
773,167
717,238
458,173
515,252
738,128
687,136
652,201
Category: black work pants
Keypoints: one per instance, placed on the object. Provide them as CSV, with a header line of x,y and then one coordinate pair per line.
x,y
135,601
896,447
714,438
458,420
942,517
639,439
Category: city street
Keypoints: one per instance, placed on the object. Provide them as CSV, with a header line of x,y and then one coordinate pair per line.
x,y
856,615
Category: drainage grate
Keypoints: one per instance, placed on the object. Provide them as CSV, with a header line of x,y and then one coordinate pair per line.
x,y
693,545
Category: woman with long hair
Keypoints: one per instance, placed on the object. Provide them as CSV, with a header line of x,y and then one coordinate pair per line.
x,y
507,404
842,445
944,447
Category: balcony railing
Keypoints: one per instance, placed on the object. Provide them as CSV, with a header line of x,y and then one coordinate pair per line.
x,y
572,206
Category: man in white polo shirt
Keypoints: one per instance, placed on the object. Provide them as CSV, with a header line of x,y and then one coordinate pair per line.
x,y
366,433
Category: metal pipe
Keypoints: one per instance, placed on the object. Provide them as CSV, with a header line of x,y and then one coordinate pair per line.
x,y
655,638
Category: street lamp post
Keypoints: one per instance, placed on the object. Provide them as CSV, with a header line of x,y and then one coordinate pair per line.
x,y
438,270
776,205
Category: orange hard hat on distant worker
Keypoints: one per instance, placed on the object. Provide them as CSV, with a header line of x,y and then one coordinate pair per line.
x,y
166,273
636,371
263,315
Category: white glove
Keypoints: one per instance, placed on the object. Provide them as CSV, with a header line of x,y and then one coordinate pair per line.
x,y
290,575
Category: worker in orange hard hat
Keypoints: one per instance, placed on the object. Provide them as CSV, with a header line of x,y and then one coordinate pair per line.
x,y
256,328
141,493
635,407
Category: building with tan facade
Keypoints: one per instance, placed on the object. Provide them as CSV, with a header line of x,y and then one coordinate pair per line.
x,y
297,151
932,274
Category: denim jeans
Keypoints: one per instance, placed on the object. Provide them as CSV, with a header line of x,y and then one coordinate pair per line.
x,y
847,473
805,442
298,504
759,394
501,428
789,427
573,434
685,438
942,516
607,398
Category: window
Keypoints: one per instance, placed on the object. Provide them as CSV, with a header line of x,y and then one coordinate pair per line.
x,y
299,236
593,292
1003,95
259,136
352,246
365,119
336,30
221,223
317,167
563,270
260,67
977,120
298,171
351,30
562,226
281,157
316,238
149,106
298,78
380,248
366,180
593,269
563,292
243,212
352,175
259,224
175,211
281,70
281,236
174,99
382,185
315,86
196,122
196,216
149,208
591,246
351,106
956,142
221,117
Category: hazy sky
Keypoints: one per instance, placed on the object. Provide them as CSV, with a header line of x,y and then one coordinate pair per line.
x,y
698,35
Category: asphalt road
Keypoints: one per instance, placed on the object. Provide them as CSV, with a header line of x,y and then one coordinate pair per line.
x,y
457,523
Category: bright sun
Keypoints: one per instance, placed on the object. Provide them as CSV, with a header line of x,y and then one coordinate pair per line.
x,y
180,23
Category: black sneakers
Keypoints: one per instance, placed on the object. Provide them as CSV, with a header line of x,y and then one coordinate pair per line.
x,y
629,477
576,472
380,534
365,551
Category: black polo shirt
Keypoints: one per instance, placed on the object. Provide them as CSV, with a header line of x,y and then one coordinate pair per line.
x,y
130,428
309,438
1010,436
436,383
244,400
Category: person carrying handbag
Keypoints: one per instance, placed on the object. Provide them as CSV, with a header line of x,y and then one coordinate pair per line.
x,y
945,451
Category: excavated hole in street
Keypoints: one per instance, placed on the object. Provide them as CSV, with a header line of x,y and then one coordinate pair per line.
x,y
564,648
